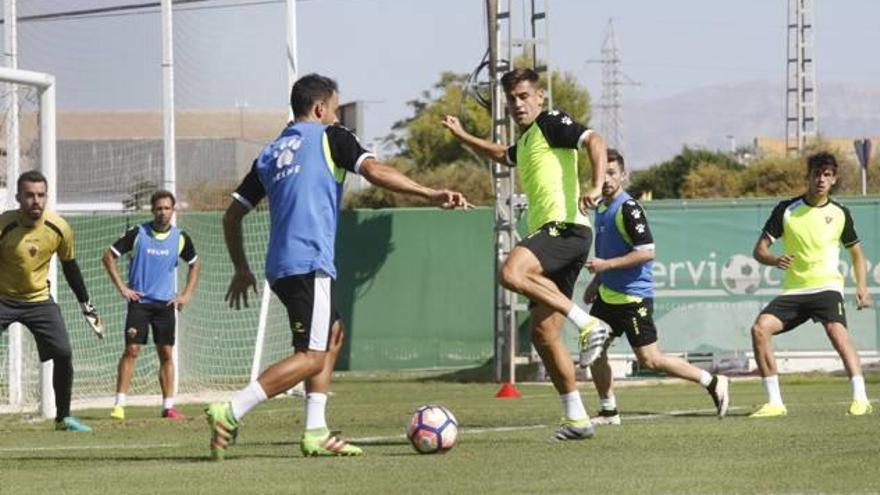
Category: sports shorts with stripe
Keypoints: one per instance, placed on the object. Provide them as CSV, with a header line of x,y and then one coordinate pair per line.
x,y
311,308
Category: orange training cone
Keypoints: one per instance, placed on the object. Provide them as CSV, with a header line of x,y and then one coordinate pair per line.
x,y
507,391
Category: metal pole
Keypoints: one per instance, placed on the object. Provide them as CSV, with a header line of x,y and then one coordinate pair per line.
x,y
864,180
169,170
13,168
47,145
292,61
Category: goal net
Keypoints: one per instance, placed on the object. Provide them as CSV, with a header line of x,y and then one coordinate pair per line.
x,y
110,158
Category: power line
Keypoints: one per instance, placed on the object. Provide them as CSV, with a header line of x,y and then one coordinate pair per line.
x,y
136,9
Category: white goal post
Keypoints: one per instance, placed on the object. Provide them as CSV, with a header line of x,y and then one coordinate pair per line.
x,y
45,86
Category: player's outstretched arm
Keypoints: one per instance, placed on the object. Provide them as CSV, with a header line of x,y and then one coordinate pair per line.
x,y
109,261
483,147
860,270
243,279
390,178
596,149
74,278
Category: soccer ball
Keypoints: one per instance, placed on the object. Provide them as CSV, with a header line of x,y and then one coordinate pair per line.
x,y
741,274
432,430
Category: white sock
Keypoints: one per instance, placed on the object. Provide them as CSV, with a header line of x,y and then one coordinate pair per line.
x,y
572,406
771,385
246,399
167,402
858,388
316,404
120,400
608,404
578,316
706,378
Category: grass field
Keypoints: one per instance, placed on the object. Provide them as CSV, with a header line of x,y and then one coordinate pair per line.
x,y
670,443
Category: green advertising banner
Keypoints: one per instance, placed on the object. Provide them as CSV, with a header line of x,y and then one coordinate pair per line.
x,y
710,288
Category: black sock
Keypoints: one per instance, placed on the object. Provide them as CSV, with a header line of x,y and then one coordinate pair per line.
x,y
62,382
713,383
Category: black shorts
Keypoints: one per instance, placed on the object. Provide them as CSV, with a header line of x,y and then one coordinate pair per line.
x,y
562,249
141,316
822,307
636,320
44,320
311,308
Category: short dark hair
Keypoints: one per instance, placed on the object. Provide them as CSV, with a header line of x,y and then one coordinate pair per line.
x,y
510,79
615,156
821,160
308,90
31,176
161,194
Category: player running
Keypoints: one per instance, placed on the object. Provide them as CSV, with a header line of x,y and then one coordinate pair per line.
x,y
812,228
622,294
545,265
302,173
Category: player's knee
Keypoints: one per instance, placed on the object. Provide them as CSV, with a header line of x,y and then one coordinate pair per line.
x,y
509,277
166,355
542,336
651,362
314,362
132,352
759,333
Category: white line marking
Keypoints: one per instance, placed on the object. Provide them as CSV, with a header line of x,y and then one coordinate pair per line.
x,y
89,447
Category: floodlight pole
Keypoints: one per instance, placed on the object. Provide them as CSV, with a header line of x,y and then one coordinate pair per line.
x,y
169,171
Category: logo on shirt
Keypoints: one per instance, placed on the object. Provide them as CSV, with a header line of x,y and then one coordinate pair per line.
x,y
158,252
828,220
32,250
285,158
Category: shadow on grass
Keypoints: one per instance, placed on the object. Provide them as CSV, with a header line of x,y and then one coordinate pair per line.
x,y
483,373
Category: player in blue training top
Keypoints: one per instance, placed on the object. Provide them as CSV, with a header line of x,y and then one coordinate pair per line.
x,y
151,295
622,294
302,173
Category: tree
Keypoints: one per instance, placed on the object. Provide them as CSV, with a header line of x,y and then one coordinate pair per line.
x,y
666,179
422,139
709,180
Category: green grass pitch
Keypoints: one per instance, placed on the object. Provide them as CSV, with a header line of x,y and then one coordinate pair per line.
x,y
670,442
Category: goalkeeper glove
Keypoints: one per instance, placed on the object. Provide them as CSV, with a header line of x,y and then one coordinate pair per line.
x,y
92,318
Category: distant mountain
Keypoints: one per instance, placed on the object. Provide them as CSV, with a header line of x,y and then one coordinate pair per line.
x,y
655,130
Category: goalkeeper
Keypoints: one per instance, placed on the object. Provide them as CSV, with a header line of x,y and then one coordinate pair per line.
x,y
151,295
29,236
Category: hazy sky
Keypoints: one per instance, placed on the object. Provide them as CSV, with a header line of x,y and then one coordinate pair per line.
x,y
385,52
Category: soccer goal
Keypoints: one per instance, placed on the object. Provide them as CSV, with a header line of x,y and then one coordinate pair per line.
x,y
28,102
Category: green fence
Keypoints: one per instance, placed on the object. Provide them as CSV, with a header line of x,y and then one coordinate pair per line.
x,y
415,290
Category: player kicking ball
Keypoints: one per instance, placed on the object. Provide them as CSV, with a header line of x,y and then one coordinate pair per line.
x,y
812,228
622,294
302,173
